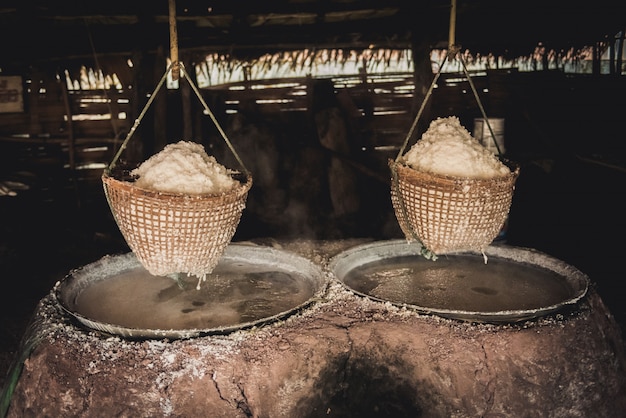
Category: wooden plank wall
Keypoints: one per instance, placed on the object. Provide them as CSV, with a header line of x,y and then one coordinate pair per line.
x,y
545,113
383,100
56,149
86,126
98,121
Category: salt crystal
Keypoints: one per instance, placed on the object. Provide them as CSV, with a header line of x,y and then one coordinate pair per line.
x,y
184,167
447,148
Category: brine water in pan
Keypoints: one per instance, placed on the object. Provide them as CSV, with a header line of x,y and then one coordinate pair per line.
x,y
236,294
460,282
251,285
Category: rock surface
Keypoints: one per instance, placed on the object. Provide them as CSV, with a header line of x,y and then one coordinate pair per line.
x,y
345,355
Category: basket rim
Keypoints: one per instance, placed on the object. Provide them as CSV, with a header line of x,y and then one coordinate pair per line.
x,y
242,188
514,170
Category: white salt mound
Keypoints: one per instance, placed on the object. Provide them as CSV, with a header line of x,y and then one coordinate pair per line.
x,y
447,148
184,167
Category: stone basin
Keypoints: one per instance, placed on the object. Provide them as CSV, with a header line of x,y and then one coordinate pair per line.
x,y
344,354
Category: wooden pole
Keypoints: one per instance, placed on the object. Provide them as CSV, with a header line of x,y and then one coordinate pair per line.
x,y
185,95
70,126
173,40
452,28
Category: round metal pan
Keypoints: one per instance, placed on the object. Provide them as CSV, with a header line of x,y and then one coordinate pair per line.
x,y
507,284
250,286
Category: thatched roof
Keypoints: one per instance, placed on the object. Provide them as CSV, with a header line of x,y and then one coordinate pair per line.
x,y
41,30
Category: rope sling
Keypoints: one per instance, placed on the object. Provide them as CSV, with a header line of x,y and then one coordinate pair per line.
x,y
442,214
175,233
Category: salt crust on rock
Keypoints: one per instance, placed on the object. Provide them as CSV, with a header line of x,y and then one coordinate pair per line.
x,y
184,167
447,148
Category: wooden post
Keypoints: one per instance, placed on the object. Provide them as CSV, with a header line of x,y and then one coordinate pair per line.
x,y
70,126
173,40
34,126
161,120
619,48
185,96
452,28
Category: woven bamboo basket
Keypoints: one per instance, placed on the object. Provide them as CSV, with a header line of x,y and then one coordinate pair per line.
x,y
173,233
449,214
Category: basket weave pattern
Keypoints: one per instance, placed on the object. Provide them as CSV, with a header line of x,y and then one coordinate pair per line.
x,y
449,214
175,233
